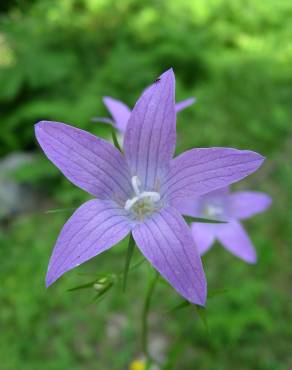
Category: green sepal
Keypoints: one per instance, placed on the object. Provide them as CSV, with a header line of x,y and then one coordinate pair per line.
x,y
115,140
190,219
179,307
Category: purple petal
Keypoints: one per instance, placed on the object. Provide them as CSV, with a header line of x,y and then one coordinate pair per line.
x,y
89,162
203,235
94,227
119,111
199,171
244,204
184,104
235,239
166,241
190,207
150,136
193,206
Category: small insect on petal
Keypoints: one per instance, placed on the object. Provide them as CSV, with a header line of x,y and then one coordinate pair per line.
x,y
157,80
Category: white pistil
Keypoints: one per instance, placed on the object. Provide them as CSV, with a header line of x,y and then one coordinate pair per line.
x,y
147,198
213,211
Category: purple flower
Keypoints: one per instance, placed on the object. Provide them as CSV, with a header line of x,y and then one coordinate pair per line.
x,y
121,112
225,206
139,191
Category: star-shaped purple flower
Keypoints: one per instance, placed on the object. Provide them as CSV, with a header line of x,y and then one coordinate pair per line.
x,y
120,112
225,206
140,190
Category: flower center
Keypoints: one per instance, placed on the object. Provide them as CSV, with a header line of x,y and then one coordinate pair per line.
x,y
213,211
144,202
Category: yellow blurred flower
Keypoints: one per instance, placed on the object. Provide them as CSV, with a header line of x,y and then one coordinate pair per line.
x,y
137,365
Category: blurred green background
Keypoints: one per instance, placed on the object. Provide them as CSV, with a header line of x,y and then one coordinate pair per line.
x,y
57,60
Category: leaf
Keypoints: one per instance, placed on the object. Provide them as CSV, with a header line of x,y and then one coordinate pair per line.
x,y
98,298
179,306
213,293
163,281
138,264
177,349
83,286
201,311
149,363
129,255
203,220
115,140
49,211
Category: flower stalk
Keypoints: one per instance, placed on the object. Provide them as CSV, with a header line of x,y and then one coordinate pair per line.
x,y
129,256
145,314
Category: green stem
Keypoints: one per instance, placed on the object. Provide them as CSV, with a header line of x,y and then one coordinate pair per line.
x,y
129,256
145,314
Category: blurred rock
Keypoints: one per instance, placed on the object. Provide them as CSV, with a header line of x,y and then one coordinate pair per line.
x,y
15,197
116,324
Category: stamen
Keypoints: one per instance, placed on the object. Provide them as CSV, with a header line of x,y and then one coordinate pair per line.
x,y
152,195
143,202
136,183
130,202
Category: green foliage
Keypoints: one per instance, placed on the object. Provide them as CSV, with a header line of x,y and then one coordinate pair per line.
x,y
57,60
